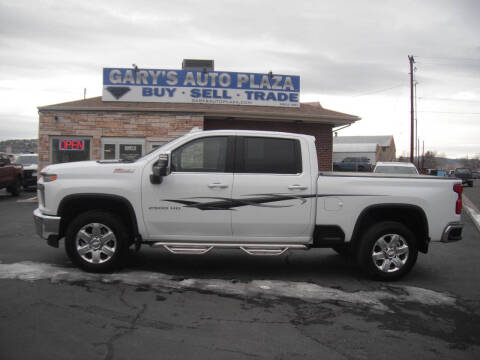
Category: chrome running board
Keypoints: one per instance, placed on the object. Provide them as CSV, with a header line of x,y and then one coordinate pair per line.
x,y
188,249
250,249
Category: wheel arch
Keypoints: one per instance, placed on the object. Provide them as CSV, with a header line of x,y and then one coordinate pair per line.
x,y
412,216
72,205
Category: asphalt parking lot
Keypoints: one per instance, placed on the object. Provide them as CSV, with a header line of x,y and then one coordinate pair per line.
x,y
227,305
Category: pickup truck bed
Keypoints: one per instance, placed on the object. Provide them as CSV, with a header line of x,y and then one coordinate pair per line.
x,y
426,194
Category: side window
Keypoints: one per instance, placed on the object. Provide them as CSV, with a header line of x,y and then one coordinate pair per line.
x,y
201,155
269,155
3,160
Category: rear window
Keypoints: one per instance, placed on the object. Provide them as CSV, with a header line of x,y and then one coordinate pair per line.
x,y
269,155
395,170
463,171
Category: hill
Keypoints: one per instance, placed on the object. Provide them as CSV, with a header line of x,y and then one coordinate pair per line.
x,y
19,146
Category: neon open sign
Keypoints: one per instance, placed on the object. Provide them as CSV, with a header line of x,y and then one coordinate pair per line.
x,y
71,145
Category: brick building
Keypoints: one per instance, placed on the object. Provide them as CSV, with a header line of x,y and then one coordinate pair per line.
x,y
97,129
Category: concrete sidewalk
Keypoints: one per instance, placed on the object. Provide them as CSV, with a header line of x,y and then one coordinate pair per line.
x,y
472,210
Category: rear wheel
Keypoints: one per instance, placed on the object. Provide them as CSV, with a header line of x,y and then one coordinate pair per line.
x,y
15,188
387,251
97,241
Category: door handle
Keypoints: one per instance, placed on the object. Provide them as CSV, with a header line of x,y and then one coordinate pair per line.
x,y
297,187
217,186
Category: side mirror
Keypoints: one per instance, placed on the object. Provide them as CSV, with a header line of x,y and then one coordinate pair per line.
x,y
160,169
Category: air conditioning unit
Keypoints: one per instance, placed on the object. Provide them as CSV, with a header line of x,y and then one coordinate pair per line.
x,y
201,65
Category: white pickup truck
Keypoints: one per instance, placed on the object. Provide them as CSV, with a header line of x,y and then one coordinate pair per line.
x,y
256,191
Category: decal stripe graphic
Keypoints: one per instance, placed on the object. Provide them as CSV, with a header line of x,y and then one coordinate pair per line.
x,y
259,200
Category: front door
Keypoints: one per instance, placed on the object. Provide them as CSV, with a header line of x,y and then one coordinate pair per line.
x,y
186,205
273,189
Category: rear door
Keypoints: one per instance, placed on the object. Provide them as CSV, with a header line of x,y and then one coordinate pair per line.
x,y
273,191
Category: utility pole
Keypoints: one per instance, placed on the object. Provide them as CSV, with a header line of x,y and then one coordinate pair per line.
x,y
412,115
423,154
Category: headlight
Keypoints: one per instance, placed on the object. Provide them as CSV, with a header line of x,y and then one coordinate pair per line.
x,y
48,177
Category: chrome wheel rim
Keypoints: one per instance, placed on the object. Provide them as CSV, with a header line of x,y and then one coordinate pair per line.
x,y
390,253
96,243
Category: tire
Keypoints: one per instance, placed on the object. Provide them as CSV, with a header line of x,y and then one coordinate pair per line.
x,y
343,250
97,241
15,188
387,251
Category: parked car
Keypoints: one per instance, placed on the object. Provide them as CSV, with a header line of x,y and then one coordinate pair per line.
x,y
393,167
10,175
354,164
465,174
476,174
257,191
30,164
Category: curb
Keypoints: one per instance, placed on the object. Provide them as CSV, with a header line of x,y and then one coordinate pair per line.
x,y
472,210
29,200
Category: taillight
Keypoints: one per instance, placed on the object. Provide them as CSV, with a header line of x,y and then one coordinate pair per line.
x,y
458,188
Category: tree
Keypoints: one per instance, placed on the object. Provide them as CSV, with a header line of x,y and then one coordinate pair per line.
x,y
430,160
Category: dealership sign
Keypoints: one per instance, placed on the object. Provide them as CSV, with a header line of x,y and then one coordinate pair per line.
x,y
202,87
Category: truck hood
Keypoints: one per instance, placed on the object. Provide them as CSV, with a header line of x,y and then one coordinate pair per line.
x,y
30,167
91,168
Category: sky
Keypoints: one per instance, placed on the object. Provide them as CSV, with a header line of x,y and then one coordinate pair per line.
x,y
351,56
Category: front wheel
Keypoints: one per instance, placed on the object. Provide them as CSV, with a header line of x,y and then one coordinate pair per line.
x,y
387,251
96,241
15,188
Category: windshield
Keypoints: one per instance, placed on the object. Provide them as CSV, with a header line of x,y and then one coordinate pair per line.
x,y
26,159
396,170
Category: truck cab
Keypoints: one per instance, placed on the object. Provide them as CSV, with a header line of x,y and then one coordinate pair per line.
x,y
465,175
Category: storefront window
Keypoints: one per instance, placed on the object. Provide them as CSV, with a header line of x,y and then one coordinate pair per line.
x,y
109,151
152,145
122,148
70,149
130,152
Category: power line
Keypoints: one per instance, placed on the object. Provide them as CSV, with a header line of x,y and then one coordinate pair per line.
x,y
380,90
449,112
446,99
446,63
448,58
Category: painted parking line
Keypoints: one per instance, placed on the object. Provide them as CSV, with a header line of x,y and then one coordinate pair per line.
x,y
472,210
29,200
